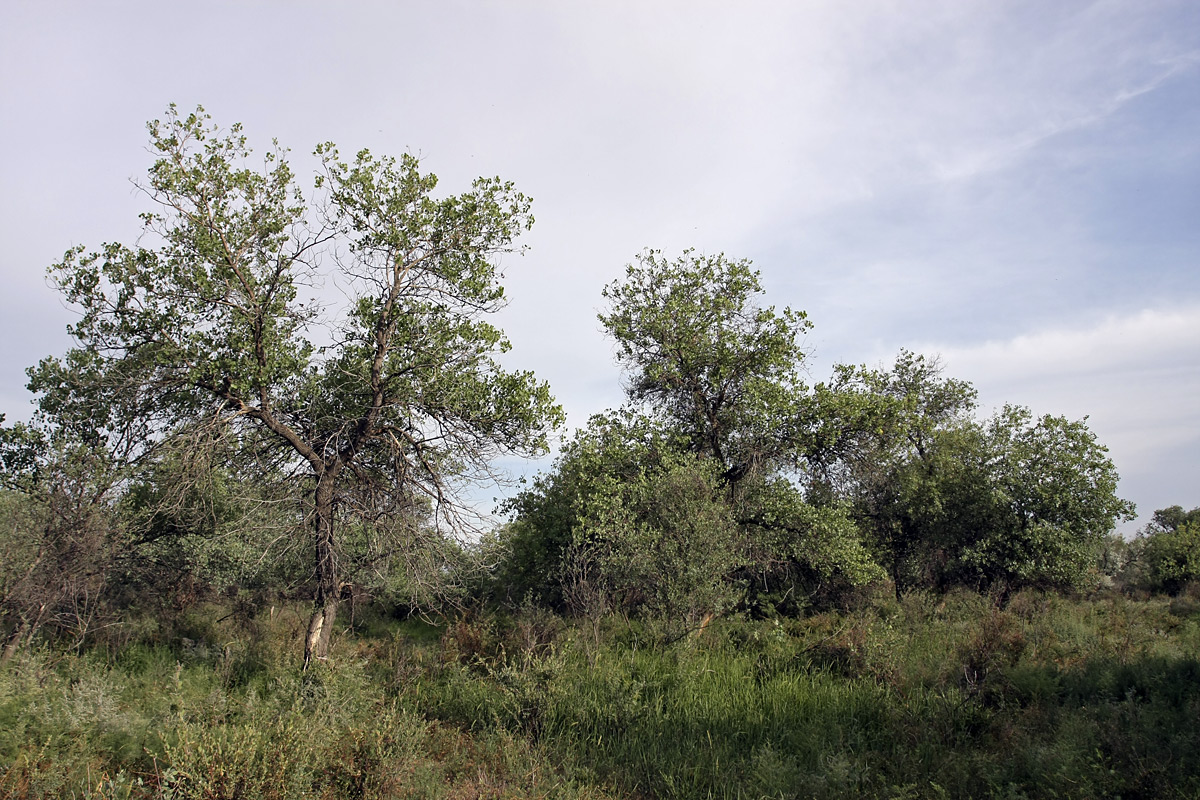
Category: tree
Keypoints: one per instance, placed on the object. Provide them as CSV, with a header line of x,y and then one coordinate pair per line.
x,y
1053,500
794,552
210,320
897,442
703,356
1170,548
1171,518
714,386
949,500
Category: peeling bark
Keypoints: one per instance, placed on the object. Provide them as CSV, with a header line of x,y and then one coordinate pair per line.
x,y
328,596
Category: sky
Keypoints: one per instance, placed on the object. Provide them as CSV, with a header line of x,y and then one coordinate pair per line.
x,y
1012,186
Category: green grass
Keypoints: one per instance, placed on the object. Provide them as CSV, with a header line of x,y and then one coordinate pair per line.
x,y
931,697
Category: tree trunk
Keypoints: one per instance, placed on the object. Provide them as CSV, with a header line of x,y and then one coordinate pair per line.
x,y
14,641
24,632
325,605
899,557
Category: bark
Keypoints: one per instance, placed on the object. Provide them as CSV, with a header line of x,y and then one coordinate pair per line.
x,y
23,633
14,641
325,606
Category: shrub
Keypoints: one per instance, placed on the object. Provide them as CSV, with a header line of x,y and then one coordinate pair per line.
x,y
1173,557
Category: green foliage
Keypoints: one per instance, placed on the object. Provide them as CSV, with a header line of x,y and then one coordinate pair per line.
x,y
1170,519
931,696
194,510
923,698
701,355
626,520
205,330
794,551
176,730
20,557
1119,562
1014,501
1172,554
905,461
1053,491
614,449
212,319
682,511
21,450
664,544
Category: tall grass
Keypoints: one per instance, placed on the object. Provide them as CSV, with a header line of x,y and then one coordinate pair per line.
x,y
238,719
931,697
934,697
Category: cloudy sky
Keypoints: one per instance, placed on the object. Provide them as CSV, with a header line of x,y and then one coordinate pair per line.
x,y
1012,185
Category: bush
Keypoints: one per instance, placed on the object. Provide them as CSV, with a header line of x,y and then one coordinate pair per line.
x,y
1172,557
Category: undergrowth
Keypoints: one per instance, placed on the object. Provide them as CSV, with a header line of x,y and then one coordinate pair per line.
x,y
929,697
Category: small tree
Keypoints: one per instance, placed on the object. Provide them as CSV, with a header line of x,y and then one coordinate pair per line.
x,y
205,322
1053,495
1170,548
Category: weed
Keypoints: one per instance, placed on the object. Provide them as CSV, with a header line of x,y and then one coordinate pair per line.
x,y
922,698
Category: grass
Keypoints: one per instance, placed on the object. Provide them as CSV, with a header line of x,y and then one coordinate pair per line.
x,y
931,697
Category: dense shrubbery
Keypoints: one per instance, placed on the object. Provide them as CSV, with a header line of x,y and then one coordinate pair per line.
x,y
1170,549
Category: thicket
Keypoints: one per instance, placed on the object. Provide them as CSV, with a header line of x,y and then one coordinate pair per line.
x,y
726,482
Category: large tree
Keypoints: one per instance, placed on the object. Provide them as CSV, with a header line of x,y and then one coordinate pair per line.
x,y
701,354
896,442
695,478
948,499
212,319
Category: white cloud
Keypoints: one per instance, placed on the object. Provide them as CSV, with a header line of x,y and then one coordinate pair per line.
x,y
1135,376
1152,339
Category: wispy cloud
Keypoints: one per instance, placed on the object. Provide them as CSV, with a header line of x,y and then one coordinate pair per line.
x,y
1008,149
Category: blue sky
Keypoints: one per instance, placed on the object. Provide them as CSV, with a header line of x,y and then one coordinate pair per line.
x,y
1012,185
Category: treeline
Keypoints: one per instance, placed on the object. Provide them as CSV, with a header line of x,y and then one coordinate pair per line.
x,y
196,441
726,483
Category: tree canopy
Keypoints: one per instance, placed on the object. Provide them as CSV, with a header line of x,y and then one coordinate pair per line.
x,y
701,353
211,320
